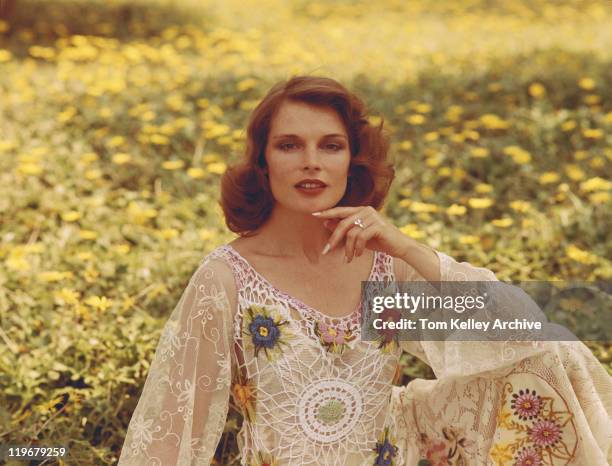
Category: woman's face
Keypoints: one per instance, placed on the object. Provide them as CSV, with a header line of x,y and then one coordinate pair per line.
x,y
308,157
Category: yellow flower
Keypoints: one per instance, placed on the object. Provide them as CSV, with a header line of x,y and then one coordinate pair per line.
x,y
30,168
374,120
492,121
122,249
93,174
54,276
480,202
196,172
115,141
601,197
581,154
444,171
595,184
520,206
469,239
89,157
568,125
88,234
168,233
85,255
587,84
415,119
206,234
597,162
548,178
5,55
527,223
579,255
173,164
405,145
479,152
70,216
431,136
456,209
419,207
518,154
246,84
502,222
412,230
483,188
427,191
537,90
159,139
121,158
99,302
574,172
422,108
591,99
217,168
66,296
592,133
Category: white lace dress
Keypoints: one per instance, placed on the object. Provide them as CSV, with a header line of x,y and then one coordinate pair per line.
x,y
312,393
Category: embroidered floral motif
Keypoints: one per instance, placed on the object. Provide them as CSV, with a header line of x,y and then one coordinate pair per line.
x,y
244,395
525,404
334,339
545,433
451,449
388,337
533,430
264,327
528,456
385,450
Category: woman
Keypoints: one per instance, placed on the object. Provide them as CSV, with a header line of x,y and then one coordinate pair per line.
x,y
273,319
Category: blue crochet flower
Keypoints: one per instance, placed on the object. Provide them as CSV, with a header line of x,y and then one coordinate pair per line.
x,y
264,328
385,451
264,331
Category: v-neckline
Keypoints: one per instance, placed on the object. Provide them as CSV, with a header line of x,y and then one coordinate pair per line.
x,y
301,305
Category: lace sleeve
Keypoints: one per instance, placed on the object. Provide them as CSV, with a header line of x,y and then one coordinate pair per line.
x,y
463,358
183,407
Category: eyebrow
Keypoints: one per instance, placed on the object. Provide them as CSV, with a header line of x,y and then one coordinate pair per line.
x,y
296,136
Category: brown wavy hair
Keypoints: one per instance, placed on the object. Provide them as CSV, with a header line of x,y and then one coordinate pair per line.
x,y
246,198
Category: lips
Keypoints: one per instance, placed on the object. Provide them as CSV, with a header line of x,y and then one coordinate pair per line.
x,y
310,184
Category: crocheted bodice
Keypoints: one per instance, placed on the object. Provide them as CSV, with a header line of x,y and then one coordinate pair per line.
x,y
314,392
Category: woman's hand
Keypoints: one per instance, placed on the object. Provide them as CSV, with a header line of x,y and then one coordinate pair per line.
x,y
376,234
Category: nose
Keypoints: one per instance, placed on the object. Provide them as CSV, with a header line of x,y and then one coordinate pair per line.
x,y
311,159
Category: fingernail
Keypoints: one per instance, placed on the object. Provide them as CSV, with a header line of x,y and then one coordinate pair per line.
x,y
326,249
316,213
345,259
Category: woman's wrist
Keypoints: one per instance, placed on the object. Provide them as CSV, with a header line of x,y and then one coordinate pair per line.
x,y
422,258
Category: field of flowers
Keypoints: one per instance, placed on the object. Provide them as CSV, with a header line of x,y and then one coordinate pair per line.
x,y
117,119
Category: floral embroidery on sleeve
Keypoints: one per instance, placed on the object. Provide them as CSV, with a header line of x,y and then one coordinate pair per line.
x,y
533,429
265,329
450,449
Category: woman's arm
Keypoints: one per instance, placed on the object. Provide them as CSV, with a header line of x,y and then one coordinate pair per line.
x,y
183,407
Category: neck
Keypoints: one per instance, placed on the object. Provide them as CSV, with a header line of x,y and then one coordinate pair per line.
x,y
293,234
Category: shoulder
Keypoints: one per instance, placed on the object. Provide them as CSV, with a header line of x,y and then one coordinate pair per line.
x,y
215,269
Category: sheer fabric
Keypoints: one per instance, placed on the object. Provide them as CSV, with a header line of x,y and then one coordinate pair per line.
x,y
312,393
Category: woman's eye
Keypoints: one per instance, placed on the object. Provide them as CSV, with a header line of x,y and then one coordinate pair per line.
x,y
334,146
284,146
